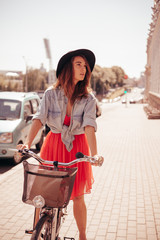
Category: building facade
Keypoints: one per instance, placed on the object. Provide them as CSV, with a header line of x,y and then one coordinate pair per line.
x,y
152,88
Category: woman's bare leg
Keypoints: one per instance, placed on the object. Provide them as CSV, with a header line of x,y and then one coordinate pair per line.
x,y
80,214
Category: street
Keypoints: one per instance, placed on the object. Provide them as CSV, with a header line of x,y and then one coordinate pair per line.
x,y
125,199
5,165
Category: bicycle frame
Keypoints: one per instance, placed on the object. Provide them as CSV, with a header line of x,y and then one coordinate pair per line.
x,y
55,213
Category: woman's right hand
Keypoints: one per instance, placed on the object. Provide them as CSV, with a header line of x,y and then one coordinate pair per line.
x,y
98,160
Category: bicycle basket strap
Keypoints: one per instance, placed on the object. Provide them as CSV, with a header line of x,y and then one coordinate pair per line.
x,y
42,174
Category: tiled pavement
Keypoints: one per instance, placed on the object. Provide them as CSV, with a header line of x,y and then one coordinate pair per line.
x,y
125,200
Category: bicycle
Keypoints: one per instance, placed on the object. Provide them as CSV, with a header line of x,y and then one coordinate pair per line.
x,y
49,188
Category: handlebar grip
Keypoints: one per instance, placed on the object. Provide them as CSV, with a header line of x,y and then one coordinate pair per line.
x,y
23,151
79,155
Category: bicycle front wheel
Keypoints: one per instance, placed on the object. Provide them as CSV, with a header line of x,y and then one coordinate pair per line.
x,y
43,229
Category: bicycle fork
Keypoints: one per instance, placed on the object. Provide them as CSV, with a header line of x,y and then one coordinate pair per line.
x,y
58,214
54,223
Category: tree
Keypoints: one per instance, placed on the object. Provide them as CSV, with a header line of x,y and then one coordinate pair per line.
x,y
109,77
36,80
119,72
102,79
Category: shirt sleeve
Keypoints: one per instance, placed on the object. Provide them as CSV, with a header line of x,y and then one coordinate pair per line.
x,y
42,111
89,117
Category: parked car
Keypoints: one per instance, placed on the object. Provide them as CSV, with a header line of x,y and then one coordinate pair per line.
x,y
124,101
136,100
132,101
98,109
40,94
16,112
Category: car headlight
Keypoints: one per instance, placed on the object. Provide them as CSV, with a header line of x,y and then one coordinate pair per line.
x,y
6,137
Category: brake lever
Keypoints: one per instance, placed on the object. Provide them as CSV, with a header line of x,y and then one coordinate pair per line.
x,y
16,150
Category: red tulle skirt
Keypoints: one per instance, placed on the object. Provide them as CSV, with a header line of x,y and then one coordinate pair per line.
x,y
53,149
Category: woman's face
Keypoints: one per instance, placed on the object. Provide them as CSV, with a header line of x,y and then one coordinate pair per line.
x,y
79,69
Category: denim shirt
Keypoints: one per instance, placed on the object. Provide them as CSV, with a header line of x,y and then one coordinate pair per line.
x,y
52,111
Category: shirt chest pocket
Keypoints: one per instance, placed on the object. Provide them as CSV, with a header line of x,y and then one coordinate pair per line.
x,y
54,115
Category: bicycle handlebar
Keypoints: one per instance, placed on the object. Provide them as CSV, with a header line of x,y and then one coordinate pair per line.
x,y
80,157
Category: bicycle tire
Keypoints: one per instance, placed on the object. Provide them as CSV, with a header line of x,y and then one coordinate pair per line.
x,y
43,229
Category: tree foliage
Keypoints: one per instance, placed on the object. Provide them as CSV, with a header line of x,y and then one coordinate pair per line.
x,y
103,79
35,80
8,84
119,72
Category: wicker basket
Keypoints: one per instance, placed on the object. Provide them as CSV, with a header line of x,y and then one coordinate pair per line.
x,y
55,186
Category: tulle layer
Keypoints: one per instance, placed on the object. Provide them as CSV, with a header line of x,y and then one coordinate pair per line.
x,y
54,149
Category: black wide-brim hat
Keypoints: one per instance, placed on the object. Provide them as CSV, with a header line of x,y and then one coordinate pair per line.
x,y
89,55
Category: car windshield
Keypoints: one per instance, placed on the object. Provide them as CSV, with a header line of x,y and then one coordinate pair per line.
x,y
9,109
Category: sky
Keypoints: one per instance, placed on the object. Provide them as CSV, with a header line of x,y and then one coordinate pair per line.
x,y
115,30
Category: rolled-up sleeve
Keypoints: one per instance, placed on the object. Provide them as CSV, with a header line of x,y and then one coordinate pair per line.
x,y
42,112
89,117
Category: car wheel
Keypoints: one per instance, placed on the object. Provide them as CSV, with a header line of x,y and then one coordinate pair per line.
x,y
39,144
17,158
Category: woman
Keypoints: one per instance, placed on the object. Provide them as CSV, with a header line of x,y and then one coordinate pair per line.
x,y
69,109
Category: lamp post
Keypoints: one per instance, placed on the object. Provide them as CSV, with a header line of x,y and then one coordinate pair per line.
x,y
26,77
48,54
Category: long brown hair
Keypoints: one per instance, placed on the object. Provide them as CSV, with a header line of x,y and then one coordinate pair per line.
x,y
65,81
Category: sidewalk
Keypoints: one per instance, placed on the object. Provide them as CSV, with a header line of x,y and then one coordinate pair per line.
x,y
125,200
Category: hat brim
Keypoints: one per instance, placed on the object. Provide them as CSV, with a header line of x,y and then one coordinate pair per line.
x,y
89,55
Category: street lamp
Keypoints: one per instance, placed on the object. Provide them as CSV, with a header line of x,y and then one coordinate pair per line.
x,y
26,77
48,54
